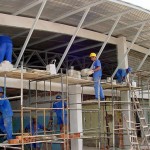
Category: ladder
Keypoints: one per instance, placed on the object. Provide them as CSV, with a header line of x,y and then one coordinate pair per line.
x,y
143,123
131,131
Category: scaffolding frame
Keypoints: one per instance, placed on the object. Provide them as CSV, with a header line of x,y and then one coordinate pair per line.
x,y
65,81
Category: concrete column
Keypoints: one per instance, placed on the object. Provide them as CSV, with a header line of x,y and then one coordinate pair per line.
x,y
125,96
76,115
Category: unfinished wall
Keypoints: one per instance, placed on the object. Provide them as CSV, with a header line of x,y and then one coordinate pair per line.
x,y
90,124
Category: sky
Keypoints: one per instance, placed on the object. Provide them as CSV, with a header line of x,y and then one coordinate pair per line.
x,y
141,3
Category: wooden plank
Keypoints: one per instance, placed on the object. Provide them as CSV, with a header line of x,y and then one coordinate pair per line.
x,y
41,75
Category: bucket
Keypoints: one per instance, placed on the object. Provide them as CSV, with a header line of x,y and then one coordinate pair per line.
x,y
108,79
133,83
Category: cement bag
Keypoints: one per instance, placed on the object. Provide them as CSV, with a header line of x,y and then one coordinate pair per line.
x,y
6,66
86,72
51,67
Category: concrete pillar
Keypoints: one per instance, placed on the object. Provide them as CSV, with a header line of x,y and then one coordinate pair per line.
x,y
122,48
76,115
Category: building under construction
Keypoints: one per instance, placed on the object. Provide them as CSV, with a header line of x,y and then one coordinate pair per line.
x,y
52,40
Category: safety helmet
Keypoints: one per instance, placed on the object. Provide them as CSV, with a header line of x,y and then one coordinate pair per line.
x,y
58,97
129,69
92,55
1,90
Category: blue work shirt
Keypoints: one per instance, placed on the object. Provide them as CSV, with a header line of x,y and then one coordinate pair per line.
x,y
121,75
5,39
98,73
59,104
34,131
5,108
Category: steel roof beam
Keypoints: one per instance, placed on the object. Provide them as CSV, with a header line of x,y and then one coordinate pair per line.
x,y
22,33
143,41
69,14
24,22
106,18
29,6
29,58
30,33
107,38
40,58
73,38
41,51
76,41
132,25
135,38
79,10
37,61
75,57
44,39
86,48
142,62
130,5
63,45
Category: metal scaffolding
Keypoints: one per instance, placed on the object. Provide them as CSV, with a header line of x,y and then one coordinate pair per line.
x,y
108,127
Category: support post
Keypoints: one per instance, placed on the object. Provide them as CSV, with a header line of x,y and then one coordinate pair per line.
x,y
76,115
122,48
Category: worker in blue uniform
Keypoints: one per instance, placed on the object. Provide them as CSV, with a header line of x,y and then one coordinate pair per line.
x,y
6,110
122,74
6,47
97,74
35,128
61,120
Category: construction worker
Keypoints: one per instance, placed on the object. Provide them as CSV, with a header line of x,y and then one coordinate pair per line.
x,y
36,127
6,120
97,74
61,119
122,74
6,47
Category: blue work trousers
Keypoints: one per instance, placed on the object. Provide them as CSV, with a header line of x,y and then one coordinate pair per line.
x,y
98,88
2,128
6,127
6,52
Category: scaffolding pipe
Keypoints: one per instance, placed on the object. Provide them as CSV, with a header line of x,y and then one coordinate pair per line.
x,y
22,144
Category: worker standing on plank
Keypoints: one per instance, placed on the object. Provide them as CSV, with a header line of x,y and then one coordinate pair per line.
x,y
6,47
122,74
6,110
97,74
